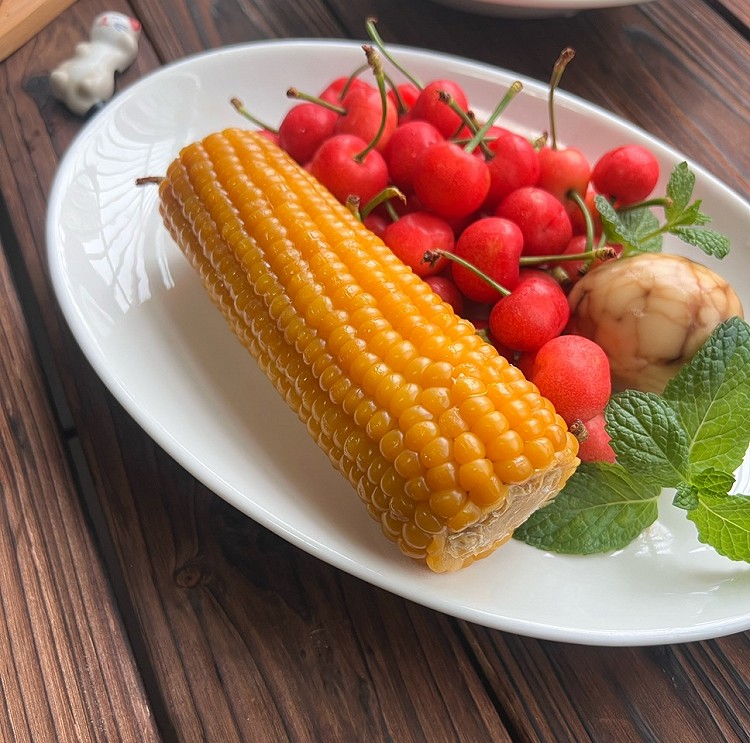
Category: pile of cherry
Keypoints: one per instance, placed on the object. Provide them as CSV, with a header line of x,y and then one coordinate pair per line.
x,y
501,226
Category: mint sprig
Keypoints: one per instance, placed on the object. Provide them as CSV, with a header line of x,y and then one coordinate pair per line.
x,y
638,229
692,438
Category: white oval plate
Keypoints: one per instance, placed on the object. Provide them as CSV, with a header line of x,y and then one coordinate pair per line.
x,y
151,333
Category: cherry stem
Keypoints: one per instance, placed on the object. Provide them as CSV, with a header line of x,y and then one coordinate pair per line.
x,y
562,62
350,80
239,106
468,119
380,44
149,180
604,253
400,104
375,61
588,221
465,140
384,197
352,204
300,96
664,201
432,255
579,430
560,275
515,88
392,213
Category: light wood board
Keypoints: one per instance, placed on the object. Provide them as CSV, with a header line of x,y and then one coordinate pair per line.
x,y
20,20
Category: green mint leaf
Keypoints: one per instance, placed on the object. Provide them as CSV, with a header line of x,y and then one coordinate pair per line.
x,y
709,241
679,190
691,215
711,481
647,437
616,230
686,497
637,230
723,522
644,226
711,395
600,509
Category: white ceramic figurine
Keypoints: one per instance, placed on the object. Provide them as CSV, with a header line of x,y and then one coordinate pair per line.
x,y
88,78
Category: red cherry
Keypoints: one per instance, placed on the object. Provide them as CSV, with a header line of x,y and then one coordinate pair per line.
x,y
492,245
535,312
405,148
563,170
407,94
525,362
376,223
430,107
363,117
447,291
627,174
495,132
336,166
416,233
335,90
596,447
514,164
542,219
576,268
538,274
451,181
574,374
304,128
504,351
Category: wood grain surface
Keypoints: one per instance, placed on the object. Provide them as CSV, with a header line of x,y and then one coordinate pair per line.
x,y
200,625
67,670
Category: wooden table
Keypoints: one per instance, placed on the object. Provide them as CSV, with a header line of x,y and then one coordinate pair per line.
x,y
137,606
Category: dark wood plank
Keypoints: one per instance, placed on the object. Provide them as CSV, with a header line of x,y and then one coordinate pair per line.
x,y
245,637
737,11
67,672
558,692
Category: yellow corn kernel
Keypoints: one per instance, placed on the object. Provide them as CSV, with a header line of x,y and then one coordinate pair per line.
x,y
417,489
452,422
408,403
438,451
467,447
445,504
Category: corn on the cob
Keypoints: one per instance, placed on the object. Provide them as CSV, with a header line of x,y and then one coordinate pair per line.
x,y
446,443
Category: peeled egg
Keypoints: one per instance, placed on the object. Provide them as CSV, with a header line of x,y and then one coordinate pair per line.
x,y
650,313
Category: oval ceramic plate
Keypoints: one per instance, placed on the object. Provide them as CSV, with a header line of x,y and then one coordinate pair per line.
x,y
151,333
